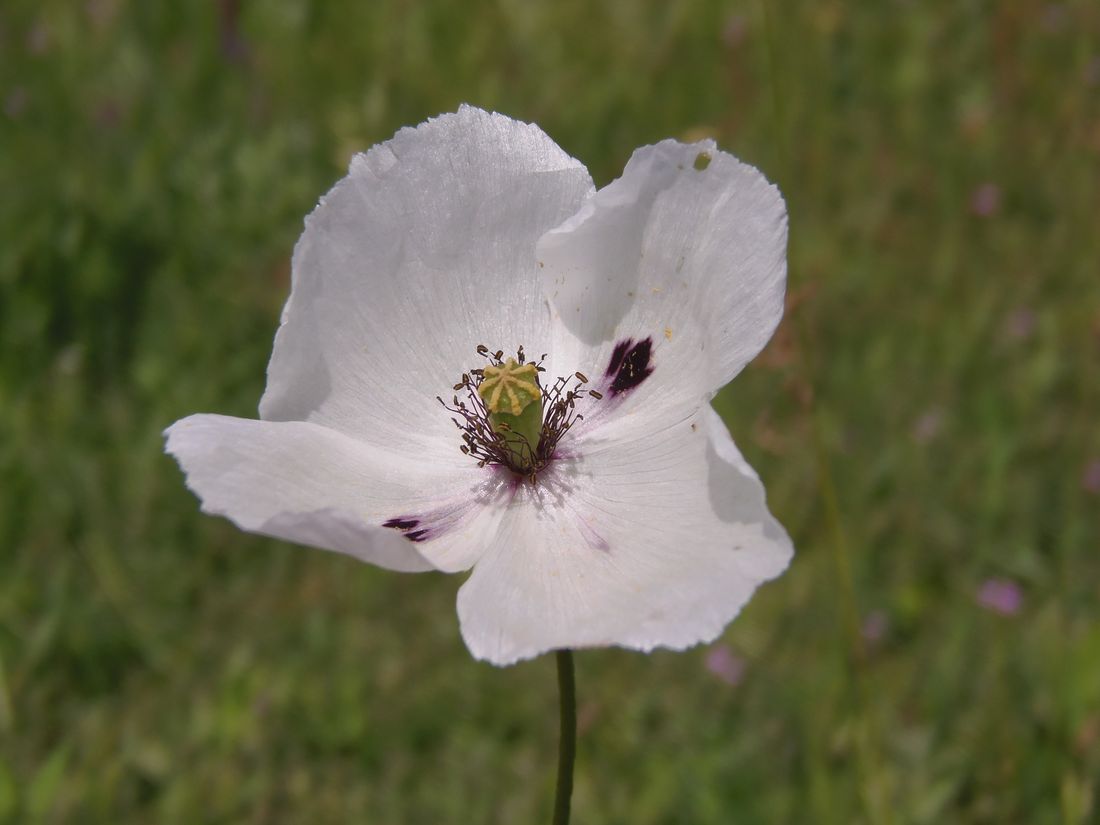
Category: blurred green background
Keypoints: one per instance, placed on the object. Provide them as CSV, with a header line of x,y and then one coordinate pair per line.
x,y
925,419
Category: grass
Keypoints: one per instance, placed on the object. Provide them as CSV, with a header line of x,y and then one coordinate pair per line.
x,y
925,419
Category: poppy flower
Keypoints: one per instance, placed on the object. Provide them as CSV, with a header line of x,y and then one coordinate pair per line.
x,y
487,364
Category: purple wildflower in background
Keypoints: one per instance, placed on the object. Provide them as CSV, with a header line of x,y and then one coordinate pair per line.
x,y
875,625
928,426
1001,596
1092,71
16,102
736,30
1054,17
726,665
1090,479
985,200
1020,324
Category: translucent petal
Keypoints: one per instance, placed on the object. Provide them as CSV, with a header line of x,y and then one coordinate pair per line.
x,y
643,543
689,261
424,251
313,485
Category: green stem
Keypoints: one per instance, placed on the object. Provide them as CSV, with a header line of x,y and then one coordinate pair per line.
x,y
567,742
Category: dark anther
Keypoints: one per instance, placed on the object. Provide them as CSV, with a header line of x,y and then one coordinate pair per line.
x,y
581,377
458,386
482,349
597,395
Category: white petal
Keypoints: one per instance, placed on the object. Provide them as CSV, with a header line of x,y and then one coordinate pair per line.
x,y
312,485
424,251
643,543
694,260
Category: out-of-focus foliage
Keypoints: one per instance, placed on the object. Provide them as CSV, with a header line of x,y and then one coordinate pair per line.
x,y
926,419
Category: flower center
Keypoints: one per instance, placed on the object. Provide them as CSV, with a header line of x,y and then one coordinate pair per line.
x,y
509,418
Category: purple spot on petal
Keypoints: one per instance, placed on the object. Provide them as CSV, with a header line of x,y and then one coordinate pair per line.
x,y
594,539
630,364
408,525
1001,596
617,356
725,664
435,522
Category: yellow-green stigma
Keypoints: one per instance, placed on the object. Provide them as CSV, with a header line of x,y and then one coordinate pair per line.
x,y
513,398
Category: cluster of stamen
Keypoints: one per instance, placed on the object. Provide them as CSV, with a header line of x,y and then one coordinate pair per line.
x,y
487,440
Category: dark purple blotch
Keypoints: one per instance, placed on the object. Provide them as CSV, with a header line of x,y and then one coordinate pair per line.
x,y
630,364
407,526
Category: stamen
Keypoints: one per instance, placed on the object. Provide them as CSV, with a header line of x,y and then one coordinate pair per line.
x,y
490,440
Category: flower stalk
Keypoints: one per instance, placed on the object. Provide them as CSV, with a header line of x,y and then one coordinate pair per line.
x,y
567,740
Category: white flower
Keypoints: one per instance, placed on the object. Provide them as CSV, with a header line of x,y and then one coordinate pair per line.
x,y
645,528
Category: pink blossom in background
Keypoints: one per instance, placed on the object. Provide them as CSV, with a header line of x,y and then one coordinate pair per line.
x,y
928,426
1090,479
108,114
38,39
1001,596
985,200
875,625
1092,72
736,30
101,12
725,664
1020,324
1054,17
16,102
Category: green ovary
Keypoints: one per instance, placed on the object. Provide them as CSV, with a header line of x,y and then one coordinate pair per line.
x,y
512,396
